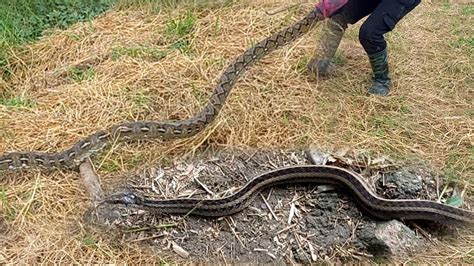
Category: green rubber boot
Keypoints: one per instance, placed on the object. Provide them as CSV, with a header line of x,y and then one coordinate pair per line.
x,y
381,80
327,46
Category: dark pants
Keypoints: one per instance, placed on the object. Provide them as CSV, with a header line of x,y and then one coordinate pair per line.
x,y
384,15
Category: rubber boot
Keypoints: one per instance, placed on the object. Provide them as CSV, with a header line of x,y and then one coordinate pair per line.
x,y
381,79
327,45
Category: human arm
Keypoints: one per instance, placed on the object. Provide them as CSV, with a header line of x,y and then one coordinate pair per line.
x,y
329,7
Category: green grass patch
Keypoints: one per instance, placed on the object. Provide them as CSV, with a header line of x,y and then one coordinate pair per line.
x,y
469,259
339,58
89,241
383,121
80,74
181,27
452,170
25,20
142,100
180,32
463,35
17,102
5,70
467,10
8,211
301,64
158,5
400,105
143,52
464,41
405,109
214,62
200,95
111,166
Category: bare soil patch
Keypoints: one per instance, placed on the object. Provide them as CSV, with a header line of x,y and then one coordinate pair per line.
x,y
285,224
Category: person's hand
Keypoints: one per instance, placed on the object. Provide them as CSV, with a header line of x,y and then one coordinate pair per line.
x,y
328,7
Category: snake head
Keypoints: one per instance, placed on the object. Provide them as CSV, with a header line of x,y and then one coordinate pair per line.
x,y
127,198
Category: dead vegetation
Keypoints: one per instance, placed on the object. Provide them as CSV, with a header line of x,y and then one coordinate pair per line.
x,y
138,64
291,223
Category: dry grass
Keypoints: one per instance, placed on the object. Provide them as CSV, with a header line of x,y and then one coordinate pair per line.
x,y
88,77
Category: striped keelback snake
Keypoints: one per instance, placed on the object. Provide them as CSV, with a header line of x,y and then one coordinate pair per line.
x,y
385,209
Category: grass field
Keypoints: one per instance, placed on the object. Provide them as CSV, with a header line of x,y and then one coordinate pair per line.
x,y
149,63
24,21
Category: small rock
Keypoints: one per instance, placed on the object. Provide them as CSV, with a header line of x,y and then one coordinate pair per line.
x,y
403,184
105,215
179,250
317,157
390,239
325,188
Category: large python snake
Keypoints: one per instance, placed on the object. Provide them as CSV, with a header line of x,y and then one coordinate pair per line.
x,y
166,130
385,209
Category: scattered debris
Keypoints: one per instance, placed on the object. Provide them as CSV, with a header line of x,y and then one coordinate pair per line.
x,y
91,181
401,184
291,223
179,250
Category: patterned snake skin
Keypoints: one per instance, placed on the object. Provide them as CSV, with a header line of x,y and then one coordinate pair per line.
x,y
74,156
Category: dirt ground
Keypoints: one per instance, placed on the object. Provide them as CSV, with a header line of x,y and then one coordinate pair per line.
x,y
289,224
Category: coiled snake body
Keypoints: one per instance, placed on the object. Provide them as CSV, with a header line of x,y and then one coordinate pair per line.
x,y
74,156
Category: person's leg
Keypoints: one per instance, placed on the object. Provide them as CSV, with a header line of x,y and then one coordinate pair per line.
x,y
333,31
327,45
371,35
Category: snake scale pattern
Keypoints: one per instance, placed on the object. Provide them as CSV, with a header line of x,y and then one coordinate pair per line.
x,y
165,130
381,208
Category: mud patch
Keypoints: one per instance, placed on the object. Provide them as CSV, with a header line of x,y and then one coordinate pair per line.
x,y
291,224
